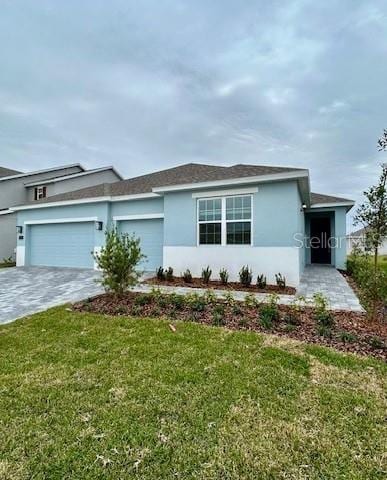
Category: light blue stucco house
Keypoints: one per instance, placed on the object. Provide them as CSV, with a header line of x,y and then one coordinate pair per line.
x,y
192,216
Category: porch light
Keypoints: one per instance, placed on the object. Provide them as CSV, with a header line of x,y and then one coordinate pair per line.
x,y
19,229
98,225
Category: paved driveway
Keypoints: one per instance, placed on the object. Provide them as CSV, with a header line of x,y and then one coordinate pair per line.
x,y
24,291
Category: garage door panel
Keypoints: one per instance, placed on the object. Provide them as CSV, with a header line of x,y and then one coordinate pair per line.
x,y
151,234
62,245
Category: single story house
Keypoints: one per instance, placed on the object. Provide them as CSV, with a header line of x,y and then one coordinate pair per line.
x,y
192,216
358,239
19,187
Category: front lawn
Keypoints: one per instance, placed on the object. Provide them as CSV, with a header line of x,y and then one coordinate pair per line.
x,y
92,396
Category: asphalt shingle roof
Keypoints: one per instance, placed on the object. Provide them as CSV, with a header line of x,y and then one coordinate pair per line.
x,y
7,172
322,198
188,173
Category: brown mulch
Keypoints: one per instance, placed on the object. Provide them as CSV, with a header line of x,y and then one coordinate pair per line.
x,y
218,285
369,338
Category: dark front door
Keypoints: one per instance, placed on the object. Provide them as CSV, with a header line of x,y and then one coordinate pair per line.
x,y
320,234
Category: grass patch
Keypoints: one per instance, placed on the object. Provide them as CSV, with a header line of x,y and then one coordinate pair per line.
x,y
90,396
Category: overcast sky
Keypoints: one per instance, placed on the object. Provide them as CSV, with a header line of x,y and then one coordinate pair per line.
x,y
151,84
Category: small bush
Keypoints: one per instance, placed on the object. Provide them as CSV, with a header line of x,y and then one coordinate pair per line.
x,y
324,331
261,281
280,281
218,315
169,274
245,276
293,315
177,301
196,302
269,312
322,315
347,337
142,299
229,298
210,297
223,275
376,342
237,310
250,301
160,274
187,276
206,274
243,322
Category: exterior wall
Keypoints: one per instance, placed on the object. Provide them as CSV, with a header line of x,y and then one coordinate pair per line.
x,y
276,221
99,211
359,241
7,235
13,191
106,176
137,207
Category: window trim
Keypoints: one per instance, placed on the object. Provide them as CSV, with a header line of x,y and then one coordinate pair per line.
x,y
40,189
223,221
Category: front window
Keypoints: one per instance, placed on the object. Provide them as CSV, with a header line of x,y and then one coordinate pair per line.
x,y
225,221
40,192
210,217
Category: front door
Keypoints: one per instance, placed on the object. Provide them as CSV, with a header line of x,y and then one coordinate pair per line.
x,y
320,234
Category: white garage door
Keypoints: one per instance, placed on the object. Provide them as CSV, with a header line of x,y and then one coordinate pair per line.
x,y
61,245
151,234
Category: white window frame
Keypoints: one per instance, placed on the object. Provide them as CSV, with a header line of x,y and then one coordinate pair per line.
x,y
40,192
223,221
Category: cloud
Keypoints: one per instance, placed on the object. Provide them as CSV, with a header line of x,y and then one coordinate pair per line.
x,y
149,85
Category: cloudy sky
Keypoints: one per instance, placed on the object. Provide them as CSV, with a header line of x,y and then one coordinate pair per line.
x,y
148,85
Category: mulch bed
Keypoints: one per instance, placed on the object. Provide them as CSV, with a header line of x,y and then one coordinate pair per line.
x,y
365,338
218,285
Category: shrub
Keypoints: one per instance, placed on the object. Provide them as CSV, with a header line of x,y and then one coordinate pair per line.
x,y
218,315
210,297
293,315
169,274
376,342
142,299
187,276
223,275
206,274
250,301
269,312
321,313
196,302
160,274
229,298
347,337
177,301
118,260
261,281
324,331
245,276
280,281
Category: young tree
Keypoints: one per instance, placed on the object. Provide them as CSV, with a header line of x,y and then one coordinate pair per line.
x,y
372,214
118,261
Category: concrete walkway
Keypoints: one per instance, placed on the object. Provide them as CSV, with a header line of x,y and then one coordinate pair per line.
x,y
24,291
328,281
315,279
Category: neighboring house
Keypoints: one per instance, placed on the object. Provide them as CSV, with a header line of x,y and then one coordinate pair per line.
x,y
358,239
18,187
192,216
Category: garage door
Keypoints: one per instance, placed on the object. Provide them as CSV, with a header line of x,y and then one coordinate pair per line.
x,y
62,245
151,236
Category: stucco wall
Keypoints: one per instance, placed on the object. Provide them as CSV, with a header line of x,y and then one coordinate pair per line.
x,y
7,236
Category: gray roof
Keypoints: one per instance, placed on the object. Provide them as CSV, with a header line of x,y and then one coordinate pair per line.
x,y
322,198
184,174
6,172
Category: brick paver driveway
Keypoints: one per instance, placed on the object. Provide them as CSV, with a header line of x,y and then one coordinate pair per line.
x,y
24,291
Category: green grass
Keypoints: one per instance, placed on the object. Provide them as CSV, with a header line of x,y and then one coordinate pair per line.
x,y
382,261
84,396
